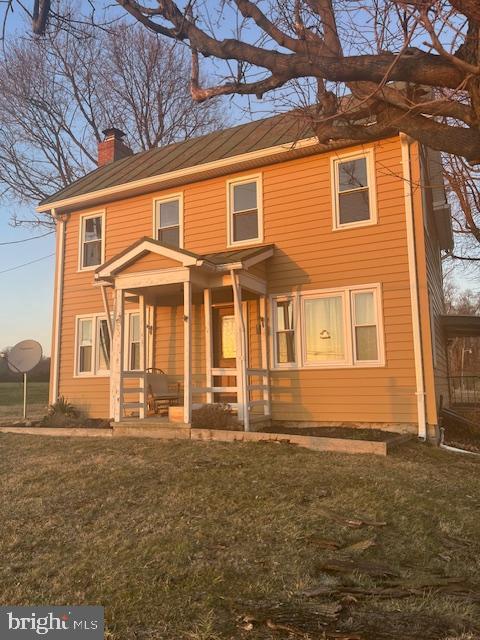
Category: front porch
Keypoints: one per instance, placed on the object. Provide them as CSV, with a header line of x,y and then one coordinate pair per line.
x,y
199,335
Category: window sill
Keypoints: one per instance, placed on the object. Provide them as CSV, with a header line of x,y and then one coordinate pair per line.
x,y
92,268
80,376
338,367
355,225
244,243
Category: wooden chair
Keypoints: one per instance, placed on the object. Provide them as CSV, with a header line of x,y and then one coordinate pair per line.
x,y
160,393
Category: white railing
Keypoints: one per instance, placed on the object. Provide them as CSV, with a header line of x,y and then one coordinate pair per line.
x,y
126,390
264,387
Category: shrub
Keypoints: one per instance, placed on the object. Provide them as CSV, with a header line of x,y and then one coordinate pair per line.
x,y
63,408
213,416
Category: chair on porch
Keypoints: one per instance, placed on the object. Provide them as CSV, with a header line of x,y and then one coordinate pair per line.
x,y
160,393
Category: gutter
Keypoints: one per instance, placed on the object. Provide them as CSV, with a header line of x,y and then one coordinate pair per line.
x,y
57,337
413,273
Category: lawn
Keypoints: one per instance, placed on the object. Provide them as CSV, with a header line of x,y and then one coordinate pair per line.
x,y
11,398
209,541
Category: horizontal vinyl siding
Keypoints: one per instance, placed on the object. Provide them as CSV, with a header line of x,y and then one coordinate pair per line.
x,y
309,255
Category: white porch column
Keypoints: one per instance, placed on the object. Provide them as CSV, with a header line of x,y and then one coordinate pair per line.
x,y
241,358
207,305
187,352
116,360
143,353
267,411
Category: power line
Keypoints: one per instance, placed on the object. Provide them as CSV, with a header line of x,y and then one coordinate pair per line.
x,y
25,264
49,233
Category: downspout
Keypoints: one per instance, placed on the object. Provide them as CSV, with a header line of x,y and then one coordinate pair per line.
x,y
414,295
61,221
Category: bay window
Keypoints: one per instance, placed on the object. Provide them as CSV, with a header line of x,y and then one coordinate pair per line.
x,y
336,328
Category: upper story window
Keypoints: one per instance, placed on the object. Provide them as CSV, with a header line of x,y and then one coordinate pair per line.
x,y
168,221
92,240
245,222
354,190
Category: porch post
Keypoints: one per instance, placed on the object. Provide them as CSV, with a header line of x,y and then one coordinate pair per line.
x,y
187,352
265,356
242,378
143,353
207,305
116,360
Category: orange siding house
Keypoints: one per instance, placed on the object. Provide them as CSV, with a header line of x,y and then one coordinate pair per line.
x,y
296,282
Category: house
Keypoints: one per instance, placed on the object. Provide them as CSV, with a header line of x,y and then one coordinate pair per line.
x,y
298,282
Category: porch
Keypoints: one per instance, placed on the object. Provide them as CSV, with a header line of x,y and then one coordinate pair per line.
x,y
199,334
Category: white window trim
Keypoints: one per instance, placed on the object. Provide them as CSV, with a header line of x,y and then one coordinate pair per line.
x,y
126,337
230,184
96,372
337,159
349,328
86,216
273,346
172,196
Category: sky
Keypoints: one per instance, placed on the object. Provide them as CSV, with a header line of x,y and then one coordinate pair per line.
x,y
26,293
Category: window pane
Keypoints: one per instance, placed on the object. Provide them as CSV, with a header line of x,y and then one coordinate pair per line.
x,y
104,346
245,196
286,347
169,212
354,207
364,308
284,315
324,329
92,253
135,356
228,337
85,364
92,229
134,327
170,236
352,174
245,226
366,343
85,332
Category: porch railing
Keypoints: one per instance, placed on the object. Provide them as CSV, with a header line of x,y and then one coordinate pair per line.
x,y
464,390
263,388
138,390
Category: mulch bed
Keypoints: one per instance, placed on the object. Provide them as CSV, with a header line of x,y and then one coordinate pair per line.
x,y
345,433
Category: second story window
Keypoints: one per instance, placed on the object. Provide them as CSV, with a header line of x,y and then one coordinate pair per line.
x,y
354,197
244,211
91,240
168,221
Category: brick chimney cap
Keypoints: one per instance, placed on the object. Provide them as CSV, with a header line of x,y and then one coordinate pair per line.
x,y
113,132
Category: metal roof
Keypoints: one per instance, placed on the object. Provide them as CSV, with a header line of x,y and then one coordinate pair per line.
x,y
227,143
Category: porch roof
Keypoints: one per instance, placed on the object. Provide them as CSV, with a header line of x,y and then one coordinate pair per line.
x,y
458,326
218,261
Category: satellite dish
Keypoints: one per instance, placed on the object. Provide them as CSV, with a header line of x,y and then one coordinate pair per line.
x,y
24,356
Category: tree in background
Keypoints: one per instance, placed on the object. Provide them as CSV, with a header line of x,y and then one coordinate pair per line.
x,y
58,92
463,352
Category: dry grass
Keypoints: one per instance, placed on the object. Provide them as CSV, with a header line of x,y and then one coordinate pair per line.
x,y
11,399
183,540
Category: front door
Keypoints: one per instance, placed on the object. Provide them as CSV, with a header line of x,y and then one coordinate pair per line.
x,y
224,350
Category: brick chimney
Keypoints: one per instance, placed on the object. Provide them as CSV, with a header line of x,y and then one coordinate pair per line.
x,y
112,148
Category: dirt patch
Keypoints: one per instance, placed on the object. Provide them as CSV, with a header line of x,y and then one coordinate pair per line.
x,y
345,433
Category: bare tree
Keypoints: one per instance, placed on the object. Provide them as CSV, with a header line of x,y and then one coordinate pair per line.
x,y
57,93
409,65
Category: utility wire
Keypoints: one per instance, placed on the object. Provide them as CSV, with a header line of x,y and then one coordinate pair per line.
x,y
49,233
25,264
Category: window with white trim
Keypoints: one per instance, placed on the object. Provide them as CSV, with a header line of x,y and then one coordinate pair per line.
x,y
284,324
92,346
244,211
168,227
134,342
354,198
336,328
91,241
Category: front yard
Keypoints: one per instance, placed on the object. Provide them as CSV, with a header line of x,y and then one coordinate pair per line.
x,y
194,541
